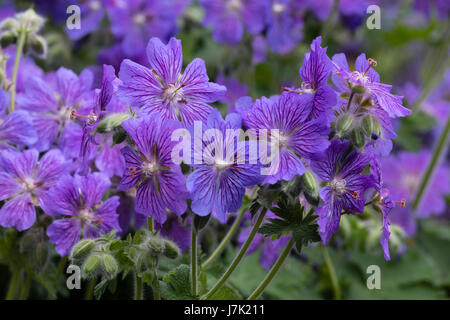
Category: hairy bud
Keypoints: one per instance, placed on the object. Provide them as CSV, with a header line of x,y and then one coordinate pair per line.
x,y
171,250
82,249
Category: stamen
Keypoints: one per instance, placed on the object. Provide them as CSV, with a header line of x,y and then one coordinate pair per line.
x,y
355,194
372,63
134,171
402,203
283,88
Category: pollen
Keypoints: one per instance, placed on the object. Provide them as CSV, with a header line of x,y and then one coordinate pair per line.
x,y
402,203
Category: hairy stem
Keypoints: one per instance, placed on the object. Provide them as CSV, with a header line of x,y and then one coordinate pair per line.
x,y
26,289
225,240
194,261
333,277
273,271
90,290
437,154
19,49
139,288
238,258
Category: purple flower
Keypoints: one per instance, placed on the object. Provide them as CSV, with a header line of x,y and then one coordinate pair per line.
x,y
402,175
299,137
284,25
160,182
366,77
51,106
315,72
345,185
218,184
174,230
384,203
86,215
228,18
15,128
24,182
163,89
134,22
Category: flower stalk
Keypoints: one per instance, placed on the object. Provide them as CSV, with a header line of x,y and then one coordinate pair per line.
x,y
19,49
273,271
332,273
238,258
194,261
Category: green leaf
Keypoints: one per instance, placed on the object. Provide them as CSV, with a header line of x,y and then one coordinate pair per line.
x,y
176,284
304,228
226,293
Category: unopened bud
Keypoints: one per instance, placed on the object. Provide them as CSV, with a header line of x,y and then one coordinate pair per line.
x,y
38,45
82,249
156,245
112,121
171,250
7,38
369,125
344,124
9,24
110,265
310,183
91,264
358,138
31,20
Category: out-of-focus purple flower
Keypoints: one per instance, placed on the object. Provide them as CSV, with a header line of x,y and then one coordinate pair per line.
x,y
284,25
345,185
51,105
299,136
438,103
366,77
228,18
218,184
441,7
270,248
160,182
163,90
320,8
26,68
86,215
15,128
315,72
235,90
24,183
402,175
134,22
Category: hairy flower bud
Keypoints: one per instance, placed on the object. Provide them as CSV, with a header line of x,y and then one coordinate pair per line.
x,y
369,125
110,265
359,89
310,183
156,245
38,45
171,250
344,124
7,38
358,138
91,264
82,249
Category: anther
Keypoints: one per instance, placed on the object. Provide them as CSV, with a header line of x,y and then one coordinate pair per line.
x,y
402,203
372,63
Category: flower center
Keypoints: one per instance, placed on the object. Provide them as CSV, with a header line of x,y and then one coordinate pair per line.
x,y
222,164
278,8
174,93
234,5
150,168
338,185
141,18
95,5
29,184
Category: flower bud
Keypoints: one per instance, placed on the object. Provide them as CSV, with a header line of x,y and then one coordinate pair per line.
x,y
31,20
344,124
7,38
310,183
82,249
156,245
9,24
91,264
41,256
369,125
171,250
38,45
358,138
110,265
112,121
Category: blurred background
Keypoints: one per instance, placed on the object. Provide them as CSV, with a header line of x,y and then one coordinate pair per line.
x,y
411,47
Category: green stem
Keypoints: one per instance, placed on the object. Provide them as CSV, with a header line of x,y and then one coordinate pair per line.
x,y
90,290
26,289
150,224
238,258
273,271
333,277
19,49
350,100
437,153
194,260
225,240
139,288
13,284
